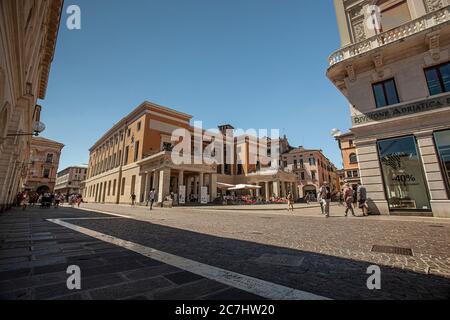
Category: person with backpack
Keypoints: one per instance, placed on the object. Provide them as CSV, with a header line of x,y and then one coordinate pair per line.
x,y
325,199
290,199
151,198
348,198
362,199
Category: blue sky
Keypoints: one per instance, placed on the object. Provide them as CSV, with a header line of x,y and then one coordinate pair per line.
x,y
250,63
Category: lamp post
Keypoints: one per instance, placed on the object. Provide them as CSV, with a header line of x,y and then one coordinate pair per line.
x,y
38,127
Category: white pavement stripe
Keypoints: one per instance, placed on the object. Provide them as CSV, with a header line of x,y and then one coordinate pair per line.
x,y
256,286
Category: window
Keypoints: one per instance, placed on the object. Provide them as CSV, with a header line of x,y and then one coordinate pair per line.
x,y
139,126
302,175
394,13
125,156
403,174
353,158
114,187
312,161
385,93
167,146
136,151
128,132
240,169
438,78
355,173
122,189
349,174
285,163
49,158
313,175
46,173
442,140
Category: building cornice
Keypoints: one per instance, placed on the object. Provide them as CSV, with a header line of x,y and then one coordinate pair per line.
x,y
52,23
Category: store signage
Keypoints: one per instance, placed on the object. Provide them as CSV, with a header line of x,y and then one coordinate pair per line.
x,y
407,109
182,195
204,195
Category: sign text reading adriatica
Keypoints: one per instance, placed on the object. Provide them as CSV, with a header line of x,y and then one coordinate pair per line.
x,y
417,107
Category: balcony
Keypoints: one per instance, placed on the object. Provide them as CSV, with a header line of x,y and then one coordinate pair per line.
x,y
425,22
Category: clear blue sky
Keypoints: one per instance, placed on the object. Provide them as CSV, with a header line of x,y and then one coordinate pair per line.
x,y
250,63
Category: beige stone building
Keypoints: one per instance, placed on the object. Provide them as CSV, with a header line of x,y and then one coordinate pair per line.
x,y
394,69
134,156
312,169
44,162
68,181
28,32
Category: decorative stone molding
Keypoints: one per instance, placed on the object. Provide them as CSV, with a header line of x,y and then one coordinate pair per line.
x,y
377,59
433,5
433,40
350,72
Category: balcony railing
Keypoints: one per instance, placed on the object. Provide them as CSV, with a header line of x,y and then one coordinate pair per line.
x,y
427,21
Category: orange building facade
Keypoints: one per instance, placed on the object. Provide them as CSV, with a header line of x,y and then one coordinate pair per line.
x,y
135,156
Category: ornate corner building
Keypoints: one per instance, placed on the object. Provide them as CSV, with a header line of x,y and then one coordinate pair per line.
x,y
28,33
394,69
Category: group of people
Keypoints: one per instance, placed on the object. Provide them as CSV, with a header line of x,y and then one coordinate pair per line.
x,y
46,199
349,197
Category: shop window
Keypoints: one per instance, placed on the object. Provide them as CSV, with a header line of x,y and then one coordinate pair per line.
x,y
442,140
385,93
438,78
403,175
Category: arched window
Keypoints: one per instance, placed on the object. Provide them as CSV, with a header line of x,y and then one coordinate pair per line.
x,y
353,158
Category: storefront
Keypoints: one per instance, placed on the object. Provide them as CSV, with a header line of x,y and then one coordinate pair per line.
x,y
403,175
442,142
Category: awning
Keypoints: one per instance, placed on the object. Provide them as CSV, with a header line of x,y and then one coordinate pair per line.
x,y
221,185
245,187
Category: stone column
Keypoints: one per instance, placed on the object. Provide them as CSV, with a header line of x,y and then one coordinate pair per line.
x,y
146,188
276,188
164,184
266,187
180,183
371,175
155,183
213,186
200,185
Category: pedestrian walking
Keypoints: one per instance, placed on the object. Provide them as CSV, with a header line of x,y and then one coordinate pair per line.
x,y
290,199
133,199
151,198
348,198
362,199
325,196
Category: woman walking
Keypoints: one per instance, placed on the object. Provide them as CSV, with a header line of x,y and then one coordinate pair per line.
x,y
348,198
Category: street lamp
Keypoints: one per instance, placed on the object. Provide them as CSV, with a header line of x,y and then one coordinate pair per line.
x,y
38,127
336,133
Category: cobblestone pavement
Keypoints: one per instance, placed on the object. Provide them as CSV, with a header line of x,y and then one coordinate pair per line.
x,y
35,254
328,257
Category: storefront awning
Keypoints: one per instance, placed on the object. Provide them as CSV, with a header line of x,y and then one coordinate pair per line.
x,y
245,187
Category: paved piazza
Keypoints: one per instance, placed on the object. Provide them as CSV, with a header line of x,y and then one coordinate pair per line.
x,y
302,251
